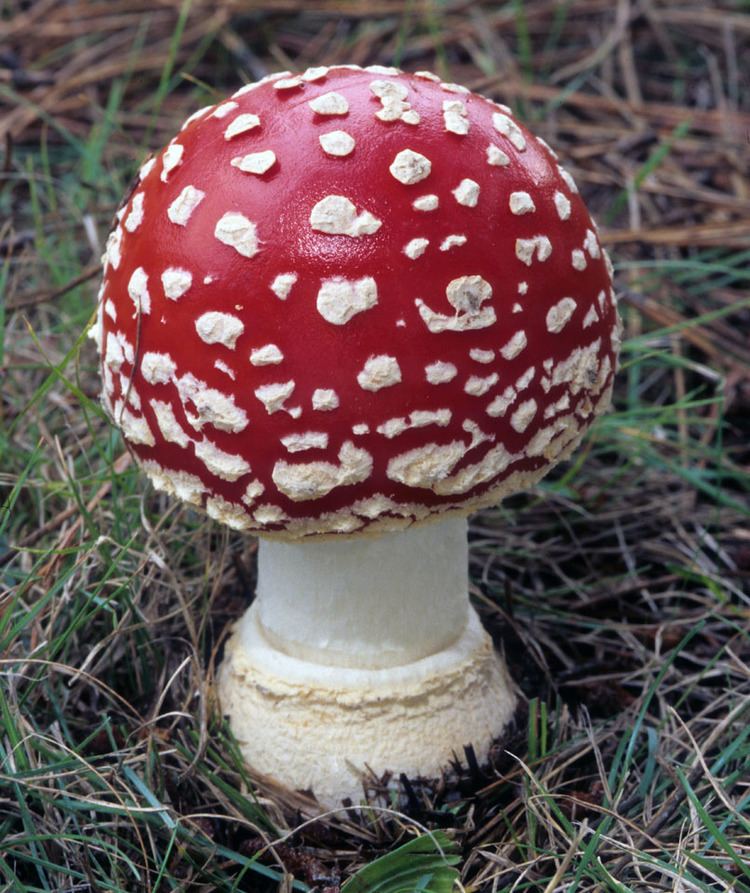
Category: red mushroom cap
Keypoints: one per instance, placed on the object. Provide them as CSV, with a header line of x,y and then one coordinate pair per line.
x,y
351,300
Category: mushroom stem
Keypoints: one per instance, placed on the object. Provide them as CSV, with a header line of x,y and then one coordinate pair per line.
x,y
368,603
363,659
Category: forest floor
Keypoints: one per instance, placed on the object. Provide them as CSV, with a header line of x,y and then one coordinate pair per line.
x,y
618,586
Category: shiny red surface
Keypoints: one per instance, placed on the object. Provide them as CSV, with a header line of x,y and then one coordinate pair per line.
x,y
316,353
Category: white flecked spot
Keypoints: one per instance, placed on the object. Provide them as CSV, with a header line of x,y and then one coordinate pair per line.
x,y
517,308
591,317
340,299
453,241
273,396
171,430
425,203
578,259
379,372
559,405
477,435
255,162
171,158
219,328
562,205
559,315
378,504
508,127
315,73
282,285
579,369
214,407
194,117
427,76
466,294
567,179
454,88
269,514
440,372
420,418
287,83
135,428
382,69
329,104
467,193
455,116
112,254
481,356
600,299
308,440
337,215
227,466
253,490
135,217
496,157
325,399
360,428
499,406
268,355
523,416
110,310
415,248
514,346
146,168
223,367
138,291
591,244
392,96
241,124
227,513
424,466
114,356
337,143
185,486
221,111
477,385
128,349
493,463
157,368
175,282
410,167
182,207
523,287
525,380
521,203
313,480
526,248
236,231
128,390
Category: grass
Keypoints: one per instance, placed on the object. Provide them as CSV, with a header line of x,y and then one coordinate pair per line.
x,y
618,588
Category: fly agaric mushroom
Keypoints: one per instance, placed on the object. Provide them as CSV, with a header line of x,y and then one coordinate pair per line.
x,y
336,307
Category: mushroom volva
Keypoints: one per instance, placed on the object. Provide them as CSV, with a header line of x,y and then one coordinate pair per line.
x,y
343,310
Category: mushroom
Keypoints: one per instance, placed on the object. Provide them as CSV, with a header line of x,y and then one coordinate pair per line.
x,y
343,310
